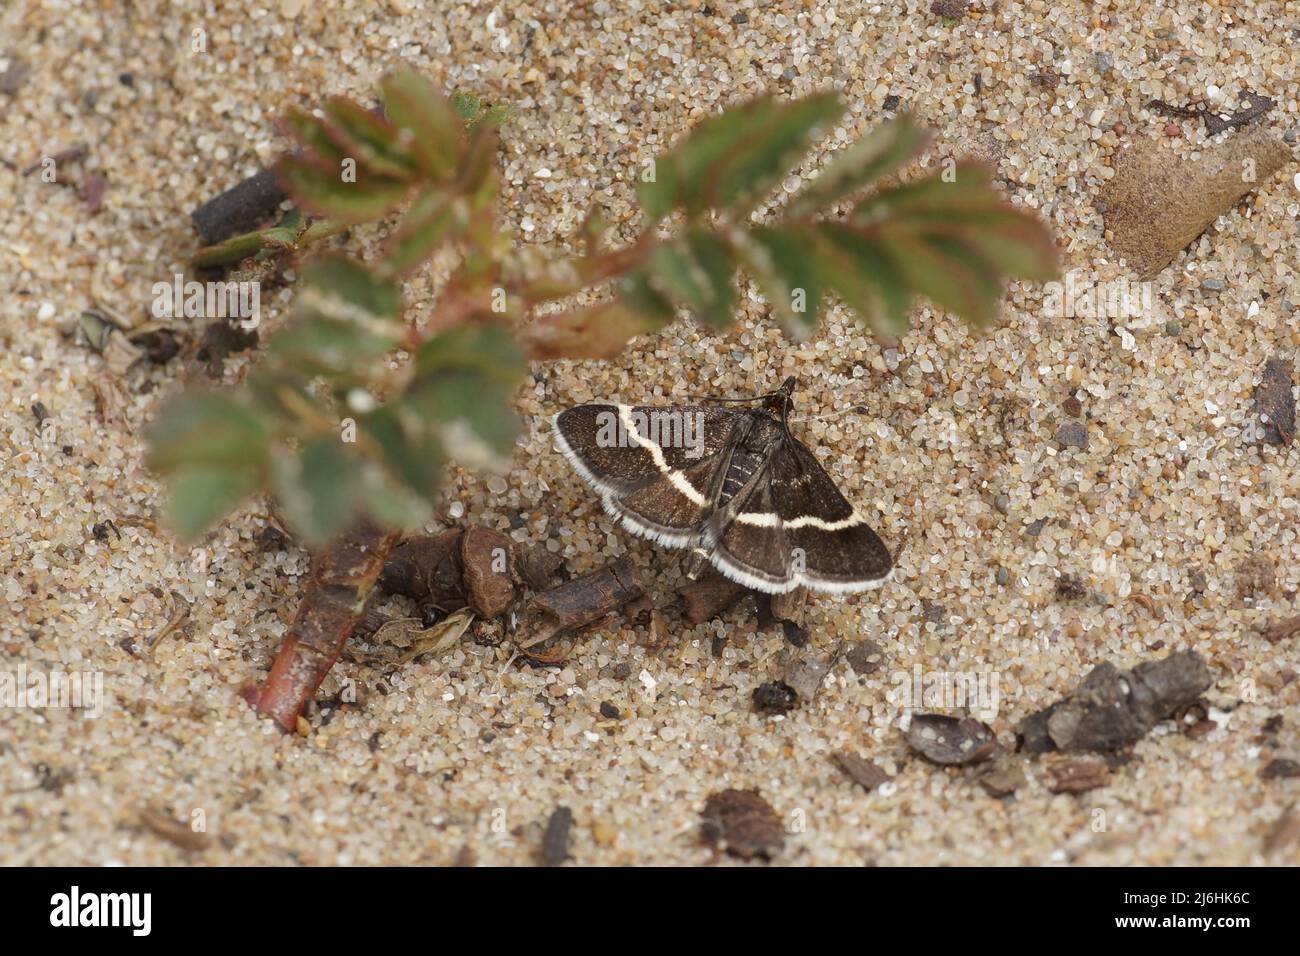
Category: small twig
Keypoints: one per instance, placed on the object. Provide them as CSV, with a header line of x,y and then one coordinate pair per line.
x,y
180,614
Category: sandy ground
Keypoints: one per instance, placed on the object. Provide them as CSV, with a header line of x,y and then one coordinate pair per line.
x,y
1180,526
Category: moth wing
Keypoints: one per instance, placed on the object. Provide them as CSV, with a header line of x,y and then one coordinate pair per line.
x,y
833,547
751,549
653,467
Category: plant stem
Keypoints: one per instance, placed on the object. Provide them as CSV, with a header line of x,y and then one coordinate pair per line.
x,y
342,578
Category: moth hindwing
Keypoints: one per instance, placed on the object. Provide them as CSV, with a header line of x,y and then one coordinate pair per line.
x,y
734,484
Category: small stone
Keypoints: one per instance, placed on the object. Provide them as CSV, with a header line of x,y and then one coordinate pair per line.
x,y
610,711
1035,528
1212,285
951,9
1077,775
1173,328
891,103
1275,402
740,18
863,772
1280,769
950,740
1002,576
865,657
1002,503
1105,63
742,823
555,842
1072,434
1002,781
1072,407
775,697
603,834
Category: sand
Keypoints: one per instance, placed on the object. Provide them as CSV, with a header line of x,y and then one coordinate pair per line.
x,y
1179,525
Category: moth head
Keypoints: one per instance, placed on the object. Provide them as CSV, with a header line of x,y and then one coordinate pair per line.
x,y
781,400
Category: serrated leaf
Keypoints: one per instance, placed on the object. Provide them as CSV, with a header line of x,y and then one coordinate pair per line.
x,y
945,273
698,271
320,188
781,260
310,131
970,191
417,106
207,429
331,347
876,154
199,496
316,488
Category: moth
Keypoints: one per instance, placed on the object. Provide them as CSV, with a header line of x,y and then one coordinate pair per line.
x,y
734,486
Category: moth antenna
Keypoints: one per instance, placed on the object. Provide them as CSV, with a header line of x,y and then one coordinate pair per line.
x,y
852,410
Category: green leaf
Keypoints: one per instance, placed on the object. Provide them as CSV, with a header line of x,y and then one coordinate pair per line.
x,y
409,447
390,502
311,132
876,154
283,235
207,429
747,173
371,140
316,488
470,108
465,378
319,187
199,496
945,272
431,218
341,287
698,271
636,293
417,106
862,274
781,259
731,160
335,348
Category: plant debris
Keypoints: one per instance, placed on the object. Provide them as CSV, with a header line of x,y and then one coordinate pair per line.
x,y
486,563
1275,402
580,602
1157,203
743,824
173,830
555,842
949,740
709,597
428,569
537,567
239,209
1077,774
1215,122
861,771
1112,709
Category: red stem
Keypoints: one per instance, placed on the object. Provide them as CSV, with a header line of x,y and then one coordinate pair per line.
x,y
342,578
